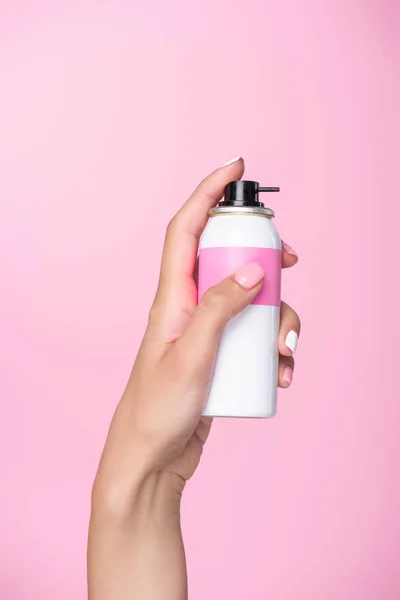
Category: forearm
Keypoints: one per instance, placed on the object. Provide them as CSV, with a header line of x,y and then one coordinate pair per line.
x,y
136,551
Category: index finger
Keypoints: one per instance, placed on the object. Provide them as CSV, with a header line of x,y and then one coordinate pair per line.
x,y
183,233
289,256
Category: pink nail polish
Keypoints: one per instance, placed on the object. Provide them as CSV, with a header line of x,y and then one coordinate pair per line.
x,y
287,375
249,276
289,249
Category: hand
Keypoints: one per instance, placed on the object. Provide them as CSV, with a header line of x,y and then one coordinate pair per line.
x,y
157,427
156,438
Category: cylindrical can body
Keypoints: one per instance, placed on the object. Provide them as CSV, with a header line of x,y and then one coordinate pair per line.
x,y
245,376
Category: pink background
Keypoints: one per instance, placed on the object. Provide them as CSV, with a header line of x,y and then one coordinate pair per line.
x,y
110,113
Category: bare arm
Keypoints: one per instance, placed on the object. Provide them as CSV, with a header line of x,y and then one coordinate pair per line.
x,y
156,437
136,551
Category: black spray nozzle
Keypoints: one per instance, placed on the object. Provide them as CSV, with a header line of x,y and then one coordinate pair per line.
x,y
244,193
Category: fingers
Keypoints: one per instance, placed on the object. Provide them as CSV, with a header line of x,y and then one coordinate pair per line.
x,y
203,429
289,256
176,296
181,242
285,373
198,344
289,330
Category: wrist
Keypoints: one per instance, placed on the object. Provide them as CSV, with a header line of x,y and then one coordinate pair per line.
x,y
157,492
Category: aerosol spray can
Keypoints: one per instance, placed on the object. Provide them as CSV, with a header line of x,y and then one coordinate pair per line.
x,y
240,231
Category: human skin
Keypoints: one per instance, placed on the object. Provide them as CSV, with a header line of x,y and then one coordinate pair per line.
x,y
157,434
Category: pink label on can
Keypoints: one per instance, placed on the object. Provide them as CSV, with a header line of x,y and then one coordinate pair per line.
x,y
217,263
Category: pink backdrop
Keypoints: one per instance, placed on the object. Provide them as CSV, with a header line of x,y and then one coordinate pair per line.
x,y
110,112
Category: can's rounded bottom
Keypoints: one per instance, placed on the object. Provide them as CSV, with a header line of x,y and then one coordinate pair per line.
x,y
268,415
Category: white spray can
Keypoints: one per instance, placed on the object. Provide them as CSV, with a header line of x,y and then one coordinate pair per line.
x,y
240,231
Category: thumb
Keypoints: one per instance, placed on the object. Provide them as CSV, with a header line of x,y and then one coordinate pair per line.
x,y
218,305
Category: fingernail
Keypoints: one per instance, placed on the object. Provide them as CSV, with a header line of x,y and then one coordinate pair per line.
x,y
291,341
287,375
249,276
289,249
232,161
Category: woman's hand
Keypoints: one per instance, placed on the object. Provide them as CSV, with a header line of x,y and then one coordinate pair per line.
x,y
157,433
